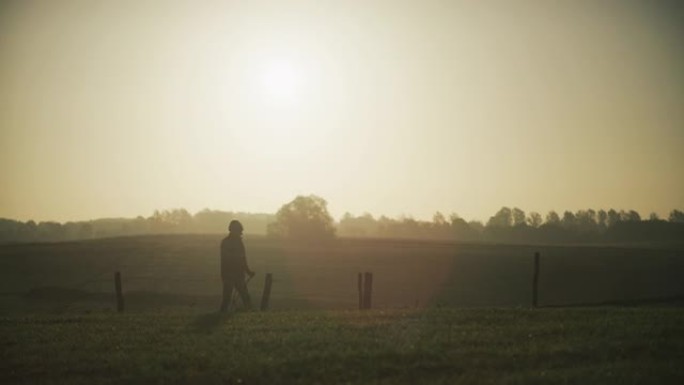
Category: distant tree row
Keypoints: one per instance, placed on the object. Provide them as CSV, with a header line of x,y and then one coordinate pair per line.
x,y
307,217
515,226
160,222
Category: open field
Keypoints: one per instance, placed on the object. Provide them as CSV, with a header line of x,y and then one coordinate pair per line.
x,y
437,346
445,313
182,271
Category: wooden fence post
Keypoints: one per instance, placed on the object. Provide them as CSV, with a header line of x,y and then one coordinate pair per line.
x,y
266,296
367,290
360,287
119,292
535,280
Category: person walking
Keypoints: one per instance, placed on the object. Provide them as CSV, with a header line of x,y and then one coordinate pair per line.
x,y
234,267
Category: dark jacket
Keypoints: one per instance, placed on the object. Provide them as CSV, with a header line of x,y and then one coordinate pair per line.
x,y
233,258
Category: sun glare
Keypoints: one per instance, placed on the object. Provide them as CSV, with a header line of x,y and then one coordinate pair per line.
x,y
280,81
280,109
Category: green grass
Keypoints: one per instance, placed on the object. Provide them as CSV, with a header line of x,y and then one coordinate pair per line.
x,y
439,346
183,270
448,313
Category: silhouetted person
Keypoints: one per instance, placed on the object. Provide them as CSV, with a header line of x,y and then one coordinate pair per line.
x,y
234,266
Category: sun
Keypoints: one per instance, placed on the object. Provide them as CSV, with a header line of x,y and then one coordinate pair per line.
x,y
279,117
280,82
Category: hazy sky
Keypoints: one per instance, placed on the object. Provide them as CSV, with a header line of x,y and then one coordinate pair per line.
x,y
117,108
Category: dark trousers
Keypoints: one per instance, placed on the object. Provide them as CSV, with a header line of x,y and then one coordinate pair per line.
x,y
239,285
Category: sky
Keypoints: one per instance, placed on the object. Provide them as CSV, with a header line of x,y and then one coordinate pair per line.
x,y
400,108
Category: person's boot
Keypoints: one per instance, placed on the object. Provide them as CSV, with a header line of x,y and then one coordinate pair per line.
x,y
224,306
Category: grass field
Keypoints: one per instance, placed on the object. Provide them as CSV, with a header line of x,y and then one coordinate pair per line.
x,y
182,271
445,313
437,346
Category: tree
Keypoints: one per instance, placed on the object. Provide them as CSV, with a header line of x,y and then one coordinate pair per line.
x,y
438,219
586,220
305,217
552,218
503,218
518,217
440,228
534,220
462,230
362,226
633,216
50,230
676,216
613,218
180,219
477,227
156,222
602,218
569,220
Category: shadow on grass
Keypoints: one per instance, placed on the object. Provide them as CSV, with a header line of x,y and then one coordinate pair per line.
x,y
209,322
53,293
133,299
674,301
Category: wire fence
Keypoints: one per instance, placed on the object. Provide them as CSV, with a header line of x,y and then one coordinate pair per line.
x,y
533,287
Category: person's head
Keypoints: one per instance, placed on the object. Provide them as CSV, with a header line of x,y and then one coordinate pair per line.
x,y
235,227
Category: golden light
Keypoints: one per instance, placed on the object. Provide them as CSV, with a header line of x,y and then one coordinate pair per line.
x,y
279,113
280,82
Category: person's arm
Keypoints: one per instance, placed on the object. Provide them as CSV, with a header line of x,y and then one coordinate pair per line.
x,y
222,258
246,268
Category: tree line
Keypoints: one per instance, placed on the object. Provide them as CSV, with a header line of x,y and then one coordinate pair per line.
x,y
515,226
307,217
173,221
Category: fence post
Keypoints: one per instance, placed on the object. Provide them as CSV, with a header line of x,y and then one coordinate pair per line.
x,y
360,287
535,280
266,296
367,290
119,293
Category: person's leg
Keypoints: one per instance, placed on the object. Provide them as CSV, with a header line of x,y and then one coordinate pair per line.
x,y
227,295
241,288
